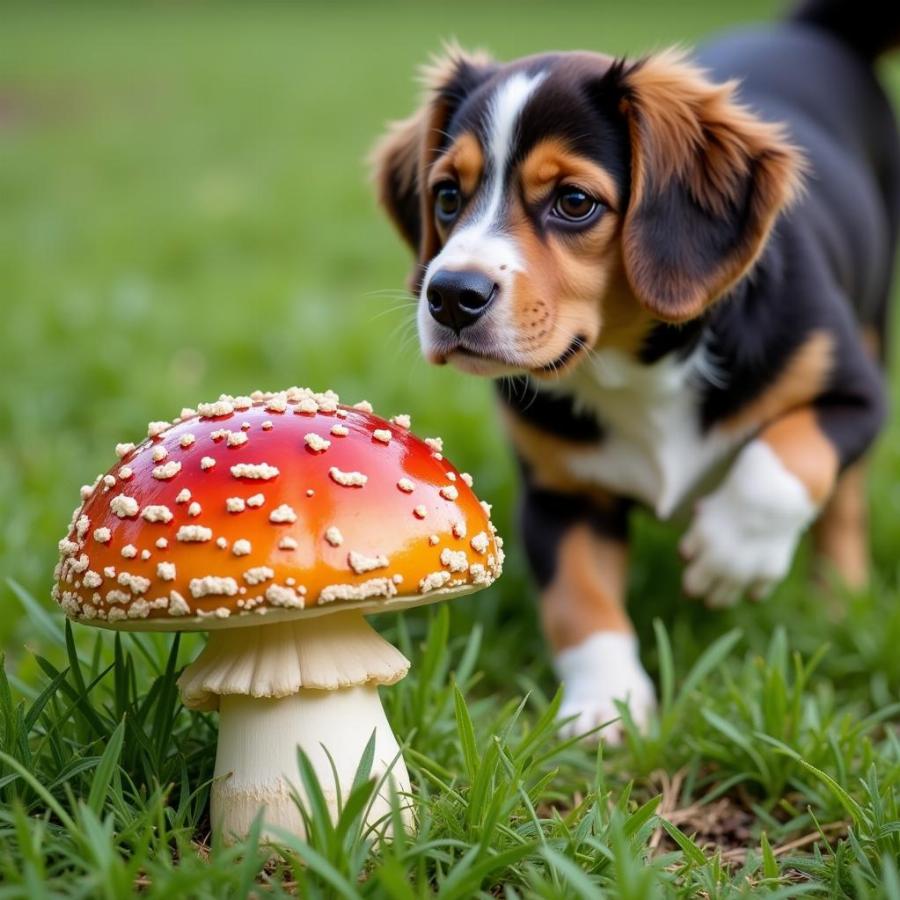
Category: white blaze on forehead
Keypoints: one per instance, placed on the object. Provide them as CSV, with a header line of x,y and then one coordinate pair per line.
x,y
477,240
506,108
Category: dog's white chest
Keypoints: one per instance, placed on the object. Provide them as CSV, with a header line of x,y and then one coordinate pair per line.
x,y
653,448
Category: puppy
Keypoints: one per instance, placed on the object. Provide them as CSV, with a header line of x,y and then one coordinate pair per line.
x,y
678,273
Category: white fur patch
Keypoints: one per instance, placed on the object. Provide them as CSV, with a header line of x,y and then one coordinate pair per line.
x,y
602,669
653,448
744,534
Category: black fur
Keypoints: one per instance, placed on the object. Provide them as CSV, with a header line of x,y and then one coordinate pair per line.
x,y
870,27
552,412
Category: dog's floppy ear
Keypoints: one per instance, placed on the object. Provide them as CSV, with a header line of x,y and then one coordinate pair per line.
x,y
708,179
402,158
395,169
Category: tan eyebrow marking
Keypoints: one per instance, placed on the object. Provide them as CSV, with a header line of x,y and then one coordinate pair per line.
x,y
464,160
551,161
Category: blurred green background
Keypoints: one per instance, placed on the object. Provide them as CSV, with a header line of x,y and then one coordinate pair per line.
x,y
184,210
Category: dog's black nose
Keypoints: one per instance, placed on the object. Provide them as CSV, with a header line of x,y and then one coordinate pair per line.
x,y
457,299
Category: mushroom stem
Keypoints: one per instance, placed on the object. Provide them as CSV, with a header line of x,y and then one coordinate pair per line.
x,y
309,683
256,760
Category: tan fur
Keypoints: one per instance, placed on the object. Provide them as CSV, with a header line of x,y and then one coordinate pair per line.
x,y
551,163
554,297
841,536
626,323
442,66
799,382
682,114
394,161
686,128
463,161
587,594
871,341
805,451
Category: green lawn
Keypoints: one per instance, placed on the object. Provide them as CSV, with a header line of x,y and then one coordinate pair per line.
x,y
184,211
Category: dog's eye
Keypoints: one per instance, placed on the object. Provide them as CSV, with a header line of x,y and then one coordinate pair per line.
x,y
573,204
447,201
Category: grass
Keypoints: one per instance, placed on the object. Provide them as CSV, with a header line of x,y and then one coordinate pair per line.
x,y
185,213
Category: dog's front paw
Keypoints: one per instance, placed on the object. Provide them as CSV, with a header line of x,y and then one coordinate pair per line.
x,y
744,534
599,671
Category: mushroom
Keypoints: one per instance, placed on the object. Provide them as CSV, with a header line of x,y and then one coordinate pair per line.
x,y
276,523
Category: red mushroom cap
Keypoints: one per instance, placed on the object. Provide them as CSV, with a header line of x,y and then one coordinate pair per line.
x,y
277,505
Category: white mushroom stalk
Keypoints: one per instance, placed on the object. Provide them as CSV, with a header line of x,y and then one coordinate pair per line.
x,y
310,684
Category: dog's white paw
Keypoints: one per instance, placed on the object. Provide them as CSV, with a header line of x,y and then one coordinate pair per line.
x,y
744,534
602,669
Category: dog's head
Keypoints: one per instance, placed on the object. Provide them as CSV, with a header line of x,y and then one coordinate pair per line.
x,y
564,200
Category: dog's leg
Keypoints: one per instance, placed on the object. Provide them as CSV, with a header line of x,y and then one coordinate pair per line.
x,y
580,557
593,641
841,535
744,534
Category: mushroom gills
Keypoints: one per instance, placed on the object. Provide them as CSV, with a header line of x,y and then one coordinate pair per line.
x,y
323,652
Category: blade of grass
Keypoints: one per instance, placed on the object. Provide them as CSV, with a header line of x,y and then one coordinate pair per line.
x,y
106,768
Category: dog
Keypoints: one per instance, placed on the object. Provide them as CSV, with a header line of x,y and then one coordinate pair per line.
x,y
677,269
